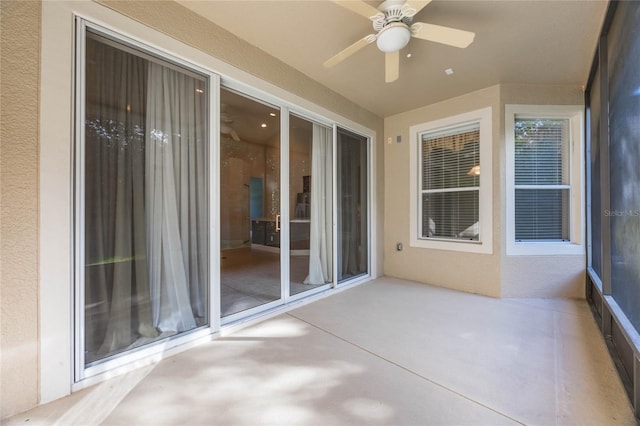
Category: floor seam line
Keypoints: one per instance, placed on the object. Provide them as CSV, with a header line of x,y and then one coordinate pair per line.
x,y
555,367
405,368
555,311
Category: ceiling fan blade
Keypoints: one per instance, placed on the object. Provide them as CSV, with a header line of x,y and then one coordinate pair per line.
x,y
234,135
359,7
349,50
440,34
418,5
391,66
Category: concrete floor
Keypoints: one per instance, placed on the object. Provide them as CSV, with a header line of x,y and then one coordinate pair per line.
x,y
386,352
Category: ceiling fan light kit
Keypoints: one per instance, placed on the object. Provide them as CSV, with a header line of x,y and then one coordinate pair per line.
x,y
392,21
393,37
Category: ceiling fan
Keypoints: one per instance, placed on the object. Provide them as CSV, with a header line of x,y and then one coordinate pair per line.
x,y
393,23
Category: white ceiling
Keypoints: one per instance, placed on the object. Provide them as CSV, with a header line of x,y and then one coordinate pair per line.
x,y
517,41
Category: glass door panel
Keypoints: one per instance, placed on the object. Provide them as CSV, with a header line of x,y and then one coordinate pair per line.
x,y
249,203
353,225
145,199
311,205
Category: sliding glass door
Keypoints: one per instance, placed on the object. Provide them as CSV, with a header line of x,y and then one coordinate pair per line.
x,y
144,254
310,205
293,203
250,213
353,205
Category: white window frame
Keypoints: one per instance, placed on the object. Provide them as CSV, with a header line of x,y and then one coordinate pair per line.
x,y
484,244
575,115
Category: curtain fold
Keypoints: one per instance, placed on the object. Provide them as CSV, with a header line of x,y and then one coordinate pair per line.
x,y
176,190
117,299
321,226
146,201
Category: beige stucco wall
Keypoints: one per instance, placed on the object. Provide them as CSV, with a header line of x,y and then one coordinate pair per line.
x,y
541,276
20,41
476,273
495,275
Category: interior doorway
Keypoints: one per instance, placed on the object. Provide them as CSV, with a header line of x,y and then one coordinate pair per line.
x,y
250,275
287,237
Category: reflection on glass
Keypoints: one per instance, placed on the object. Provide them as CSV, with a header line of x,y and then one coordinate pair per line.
x,y
624,152
311,191
249,203
145,201
352,205
450,179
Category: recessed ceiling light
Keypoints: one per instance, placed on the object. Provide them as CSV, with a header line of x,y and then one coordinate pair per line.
x,y
409,55
273,114
448,71
263,125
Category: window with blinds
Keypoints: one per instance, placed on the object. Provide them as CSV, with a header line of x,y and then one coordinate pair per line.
x,y
542,184
450,183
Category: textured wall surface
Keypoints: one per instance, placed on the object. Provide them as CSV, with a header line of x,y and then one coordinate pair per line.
x,y
20,44
540,276
471,272
495,275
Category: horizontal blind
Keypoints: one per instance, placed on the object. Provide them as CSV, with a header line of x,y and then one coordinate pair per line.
x,y
450,183
542,184
541,214
542,152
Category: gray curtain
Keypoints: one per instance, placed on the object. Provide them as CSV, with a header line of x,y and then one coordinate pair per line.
x,y
117,302
176,198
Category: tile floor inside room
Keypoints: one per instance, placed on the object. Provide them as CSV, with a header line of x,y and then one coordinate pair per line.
x,y
387,352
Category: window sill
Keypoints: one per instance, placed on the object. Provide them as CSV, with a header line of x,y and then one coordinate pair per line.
x,y
544,249
453,245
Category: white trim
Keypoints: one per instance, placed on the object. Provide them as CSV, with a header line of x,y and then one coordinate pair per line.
x,y
372,243
79,155
285,226
574,113
56,214
485,244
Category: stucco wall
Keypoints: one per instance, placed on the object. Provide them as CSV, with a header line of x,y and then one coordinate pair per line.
x,y
495,275
476,273
540,276
20,44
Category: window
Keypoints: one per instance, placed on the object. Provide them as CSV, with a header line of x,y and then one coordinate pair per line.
x,y
544,179
450,180
452,203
